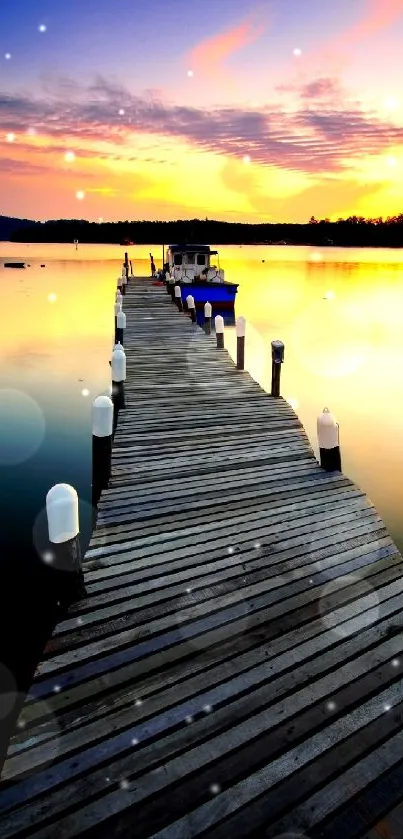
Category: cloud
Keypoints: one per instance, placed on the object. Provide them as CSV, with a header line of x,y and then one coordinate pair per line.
x,y
317,136
209,57
380,15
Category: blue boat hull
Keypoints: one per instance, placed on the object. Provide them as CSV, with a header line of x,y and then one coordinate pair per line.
x,y
220,295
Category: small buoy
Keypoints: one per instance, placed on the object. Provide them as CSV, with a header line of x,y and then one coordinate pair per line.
x,y
263,260
43,266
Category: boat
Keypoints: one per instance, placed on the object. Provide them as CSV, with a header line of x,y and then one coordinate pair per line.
x,y
192,269
14,265
125,242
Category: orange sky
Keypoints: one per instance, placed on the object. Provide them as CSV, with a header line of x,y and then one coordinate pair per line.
x,y
258,113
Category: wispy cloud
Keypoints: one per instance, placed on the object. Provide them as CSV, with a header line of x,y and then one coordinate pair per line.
x,y
317,136
379,15
209,57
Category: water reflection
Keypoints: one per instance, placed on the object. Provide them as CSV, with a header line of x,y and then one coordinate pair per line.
x,y
338,315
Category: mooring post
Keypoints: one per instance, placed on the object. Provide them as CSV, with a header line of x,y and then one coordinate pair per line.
x,y
65,552
277,358
118,297
124,281
329,442
219,331
127,267
171,288
120,327
240,342
178,297
207,318
102,429
118,308
118,365
131,271
191,307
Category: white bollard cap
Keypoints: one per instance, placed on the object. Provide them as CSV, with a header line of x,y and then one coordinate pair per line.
x,y
118,346
177,290
207,310
118,365
219,324
121,319
118,308
190,301
62,513
328,430
240,327
102,417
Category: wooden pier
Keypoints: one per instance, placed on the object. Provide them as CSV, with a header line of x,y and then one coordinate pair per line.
x,y
236,670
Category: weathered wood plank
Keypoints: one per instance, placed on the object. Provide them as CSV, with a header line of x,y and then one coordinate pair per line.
x,y
234,590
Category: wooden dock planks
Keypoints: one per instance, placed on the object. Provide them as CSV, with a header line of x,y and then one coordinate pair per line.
x,y
236,668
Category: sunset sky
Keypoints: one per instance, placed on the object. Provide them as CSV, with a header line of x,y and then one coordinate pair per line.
x,y
235,110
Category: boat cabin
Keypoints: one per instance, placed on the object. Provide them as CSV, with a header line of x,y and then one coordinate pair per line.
x,y
193,262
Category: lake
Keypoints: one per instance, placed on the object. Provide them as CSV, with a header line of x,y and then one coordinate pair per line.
x,y
338,312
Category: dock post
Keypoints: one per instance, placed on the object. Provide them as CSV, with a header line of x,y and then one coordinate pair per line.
x,y
277,358
192,308
219,331
240,342
118,308
171,288
127,266
120,327
329,443
207,318
65,551
131,271
124,281
118,365
118,297
102,428
178,297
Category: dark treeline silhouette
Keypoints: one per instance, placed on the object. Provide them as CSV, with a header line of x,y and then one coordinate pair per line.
x,y
354,231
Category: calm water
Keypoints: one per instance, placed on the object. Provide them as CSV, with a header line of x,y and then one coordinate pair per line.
x,y
338,312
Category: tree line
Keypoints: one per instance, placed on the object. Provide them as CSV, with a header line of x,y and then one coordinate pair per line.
x,y
354,231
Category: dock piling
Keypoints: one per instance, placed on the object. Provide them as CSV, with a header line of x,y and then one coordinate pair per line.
x,y
329,443
120,327
191,307
207,318
178,297
102,428
171,288
65,554
240,342
117,308
118,365
219,331
277,357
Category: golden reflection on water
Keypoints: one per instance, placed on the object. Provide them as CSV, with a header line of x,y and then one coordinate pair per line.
x,y
338,311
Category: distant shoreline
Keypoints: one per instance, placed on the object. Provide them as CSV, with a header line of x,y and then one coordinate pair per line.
x,y
353,232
